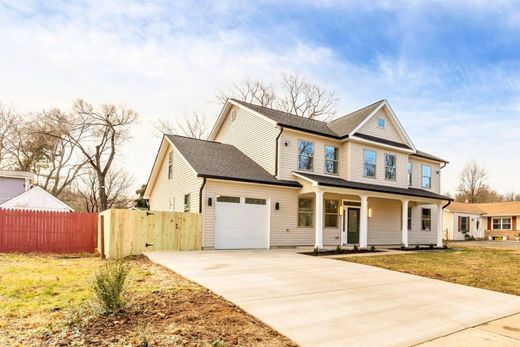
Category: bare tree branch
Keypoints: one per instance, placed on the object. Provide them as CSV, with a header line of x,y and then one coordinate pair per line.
x,y
196,126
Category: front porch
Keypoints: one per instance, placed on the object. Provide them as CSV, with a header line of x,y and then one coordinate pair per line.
x,y
352,217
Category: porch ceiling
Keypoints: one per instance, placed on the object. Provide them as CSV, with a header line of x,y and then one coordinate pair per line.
x,y
336,182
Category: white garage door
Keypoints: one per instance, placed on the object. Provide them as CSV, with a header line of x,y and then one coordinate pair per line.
x,y
241,222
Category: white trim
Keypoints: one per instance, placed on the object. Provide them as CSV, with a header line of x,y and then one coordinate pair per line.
x,y
5,203
314,183
367,118
185,160
269,211
245,182
400,126
422,176
344,220
502,223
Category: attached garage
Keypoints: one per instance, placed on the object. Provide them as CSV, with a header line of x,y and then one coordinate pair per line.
x,y
241,223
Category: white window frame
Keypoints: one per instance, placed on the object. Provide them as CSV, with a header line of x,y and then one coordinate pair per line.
x,y
308,156
409,170
334,161
409,220
423,177
395,167
311,211
365,163
429,219
170,165
501,219
379,123
325,213
187,202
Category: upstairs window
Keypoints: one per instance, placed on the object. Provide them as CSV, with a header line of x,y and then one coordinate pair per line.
x,y
187,202
305,155
410,169
426,176
170,165
305,212
390,167
331,160
426,219
381,123
370,163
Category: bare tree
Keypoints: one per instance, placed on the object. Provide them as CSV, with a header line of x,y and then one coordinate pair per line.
x,y
97,134
306,99
196,126
253,92
511,196
473,187
8,121
117,185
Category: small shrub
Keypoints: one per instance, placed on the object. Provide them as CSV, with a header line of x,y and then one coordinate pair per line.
x,y
372,248
218,343
356,248
417,246
403,246
431,245
338,249
445,246
108,286
316,251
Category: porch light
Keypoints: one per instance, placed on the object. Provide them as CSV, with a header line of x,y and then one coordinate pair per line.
x,y
341,210
369,212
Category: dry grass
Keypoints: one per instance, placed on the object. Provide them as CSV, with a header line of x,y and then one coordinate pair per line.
x,y
486,268
45,300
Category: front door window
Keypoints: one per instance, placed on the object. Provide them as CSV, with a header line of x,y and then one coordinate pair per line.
x,y
353,225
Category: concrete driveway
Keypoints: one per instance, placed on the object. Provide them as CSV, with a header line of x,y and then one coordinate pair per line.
x,y
325,302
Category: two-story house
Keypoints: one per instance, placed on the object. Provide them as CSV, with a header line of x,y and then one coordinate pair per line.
x,y
266,178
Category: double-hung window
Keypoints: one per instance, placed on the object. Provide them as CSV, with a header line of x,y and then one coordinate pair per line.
x,y
305,155
410,170
170,165
369,158
426,219
187,202
502,223
331,160
409,218
390,167
331,213
426,176
464,224
305,212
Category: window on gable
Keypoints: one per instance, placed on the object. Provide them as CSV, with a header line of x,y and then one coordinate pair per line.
x,y
170,165
390,167
426,176
187,202
305,212
381,123
331,213
370,163
331,159
426,219
305,155
410,169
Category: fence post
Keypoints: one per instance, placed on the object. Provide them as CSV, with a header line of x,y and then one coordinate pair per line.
x,y
102,235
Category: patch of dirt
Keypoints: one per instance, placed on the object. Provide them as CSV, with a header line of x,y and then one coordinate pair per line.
x,y
343,251
177,313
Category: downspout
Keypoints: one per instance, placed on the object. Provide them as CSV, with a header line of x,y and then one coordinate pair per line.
x,y
276,156
200,194
448,204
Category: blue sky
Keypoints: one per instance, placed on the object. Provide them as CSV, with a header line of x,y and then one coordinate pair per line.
x,y
451,71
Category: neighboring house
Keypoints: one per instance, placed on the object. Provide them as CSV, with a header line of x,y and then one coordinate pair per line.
x,y
267,178
13,183
463,221
36,199
497,220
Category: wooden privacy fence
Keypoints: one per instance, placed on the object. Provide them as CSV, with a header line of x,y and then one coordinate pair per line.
x,y
132,232
40,231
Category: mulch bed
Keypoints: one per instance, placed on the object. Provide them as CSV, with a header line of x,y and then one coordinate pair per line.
x,y
421,249
343,251
182,314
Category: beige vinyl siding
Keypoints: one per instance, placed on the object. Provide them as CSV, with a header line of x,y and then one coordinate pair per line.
x,y
289,154
357,165
448,226
384,227
284,230
254,135
417,174
390,131
183,181
418,236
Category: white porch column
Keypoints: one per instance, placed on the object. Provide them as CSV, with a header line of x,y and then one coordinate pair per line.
x,y
440,216
363,222
319,219
405,223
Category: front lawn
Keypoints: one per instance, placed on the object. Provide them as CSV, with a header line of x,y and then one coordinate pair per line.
x,y
486,268
46,300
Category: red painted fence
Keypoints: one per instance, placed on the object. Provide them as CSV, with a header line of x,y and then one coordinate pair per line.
x,y
56,232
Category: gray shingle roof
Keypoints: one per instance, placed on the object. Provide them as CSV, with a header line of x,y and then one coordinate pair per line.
x,y
341,183
222,161
346,124
425,155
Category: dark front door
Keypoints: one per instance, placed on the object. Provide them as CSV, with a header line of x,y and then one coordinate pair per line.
x,y
353,225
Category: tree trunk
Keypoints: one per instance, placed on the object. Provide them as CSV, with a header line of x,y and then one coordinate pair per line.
x,y
103,200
